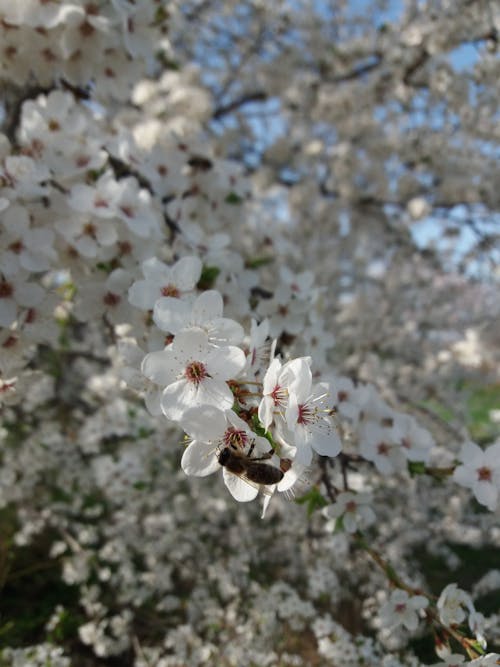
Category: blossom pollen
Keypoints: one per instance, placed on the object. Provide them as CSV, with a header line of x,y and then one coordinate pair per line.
x,y
306,415
6,290
90,230
9,342
283,311
400,608
278,395
82,161
124,248
383,448
86,29
484,474
128,211
16,247
111,299
92,9
170,290
235,438
195,372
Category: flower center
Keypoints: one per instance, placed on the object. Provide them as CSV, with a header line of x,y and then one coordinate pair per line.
x,y
90,230
170,290
400,608
16,247
195,372
278,395
30,316
124,247
306,415
111,299
383,448
484,474
6,290
235,438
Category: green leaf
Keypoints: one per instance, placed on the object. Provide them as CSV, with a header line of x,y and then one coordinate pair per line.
x,y
140,486
313,500
104,266
233,198
257,262
208,277
416,468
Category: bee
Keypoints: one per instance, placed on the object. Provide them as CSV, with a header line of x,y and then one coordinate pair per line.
x,y
200,162
252,470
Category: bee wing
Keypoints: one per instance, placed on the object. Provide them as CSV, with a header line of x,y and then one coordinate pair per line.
x,y
242,488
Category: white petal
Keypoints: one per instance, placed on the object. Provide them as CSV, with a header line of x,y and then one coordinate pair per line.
x,y
155,271
207,307
152,401
28,294
471,454
186,272
350,523
8,312
143,294
225,330
492,455
410,621
171,314
464,476
177,398
199,459
215,392
226,362
161,367
206,423
238,488
487,494
191,345
326,444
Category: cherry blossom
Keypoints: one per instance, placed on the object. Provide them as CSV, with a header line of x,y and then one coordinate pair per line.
x,y
403,609
172,315
193,373
161,280
480,471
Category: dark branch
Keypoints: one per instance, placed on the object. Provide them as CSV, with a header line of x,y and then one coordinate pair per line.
x,y
257,96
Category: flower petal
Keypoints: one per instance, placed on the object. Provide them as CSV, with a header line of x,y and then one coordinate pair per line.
x,y
199,459
238,488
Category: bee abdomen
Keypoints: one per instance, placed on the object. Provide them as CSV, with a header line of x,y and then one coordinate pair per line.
x,y
262,473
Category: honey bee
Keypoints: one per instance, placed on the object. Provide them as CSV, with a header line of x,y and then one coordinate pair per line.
x,y
251,470
200,162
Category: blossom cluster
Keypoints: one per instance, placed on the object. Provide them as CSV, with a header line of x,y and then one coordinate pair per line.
x,y
135,256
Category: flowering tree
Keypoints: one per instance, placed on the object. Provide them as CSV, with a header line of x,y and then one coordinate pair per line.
x,y
258,240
